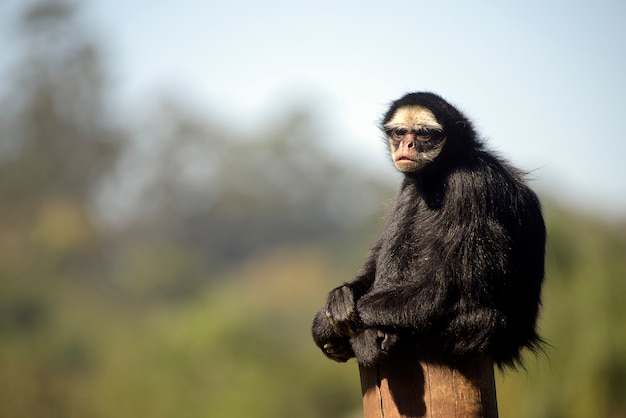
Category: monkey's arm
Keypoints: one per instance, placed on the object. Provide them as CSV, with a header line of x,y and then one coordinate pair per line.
x,y
410,306
389,316
384,315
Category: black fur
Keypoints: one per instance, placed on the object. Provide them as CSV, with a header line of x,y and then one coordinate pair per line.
x,y
459,266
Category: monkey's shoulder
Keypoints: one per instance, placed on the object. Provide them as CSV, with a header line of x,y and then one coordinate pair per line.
x,y
490,185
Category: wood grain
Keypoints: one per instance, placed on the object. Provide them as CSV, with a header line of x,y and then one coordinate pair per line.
x,y
405,386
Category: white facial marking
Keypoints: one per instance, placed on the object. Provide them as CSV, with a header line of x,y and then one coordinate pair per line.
x,y
413,117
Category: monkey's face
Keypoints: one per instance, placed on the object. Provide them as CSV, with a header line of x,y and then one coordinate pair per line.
x,y
415,138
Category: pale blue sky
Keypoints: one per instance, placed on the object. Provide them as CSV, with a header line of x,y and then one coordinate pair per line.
x,y
543,81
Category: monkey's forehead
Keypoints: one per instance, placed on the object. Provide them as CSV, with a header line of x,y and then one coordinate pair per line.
x,y
413,116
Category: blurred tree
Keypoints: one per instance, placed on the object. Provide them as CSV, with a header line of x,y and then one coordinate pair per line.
x,y
55,121
57,143
230,196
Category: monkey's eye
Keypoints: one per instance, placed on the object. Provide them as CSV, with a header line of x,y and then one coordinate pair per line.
x,y
423,135
399,133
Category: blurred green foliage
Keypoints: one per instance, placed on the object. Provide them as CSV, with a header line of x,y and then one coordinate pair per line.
x,y
170,267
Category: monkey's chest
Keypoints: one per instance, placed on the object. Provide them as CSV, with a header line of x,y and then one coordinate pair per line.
x,y
408,252
404,258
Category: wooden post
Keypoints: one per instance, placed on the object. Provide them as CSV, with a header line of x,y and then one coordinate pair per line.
x,y
403,386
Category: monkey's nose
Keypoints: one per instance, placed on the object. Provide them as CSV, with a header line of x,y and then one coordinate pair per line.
x,y
410,143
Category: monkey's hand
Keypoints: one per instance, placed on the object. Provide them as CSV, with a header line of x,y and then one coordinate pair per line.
x,y
341,312
338,349
333,346
371,345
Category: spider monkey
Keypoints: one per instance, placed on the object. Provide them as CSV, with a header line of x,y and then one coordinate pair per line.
x,y
458,268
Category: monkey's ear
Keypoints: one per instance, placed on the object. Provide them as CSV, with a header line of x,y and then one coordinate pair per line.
x,y
463,127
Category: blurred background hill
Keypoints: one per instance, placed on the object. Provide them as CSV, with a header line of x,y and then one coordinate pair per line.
x,y
169,264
